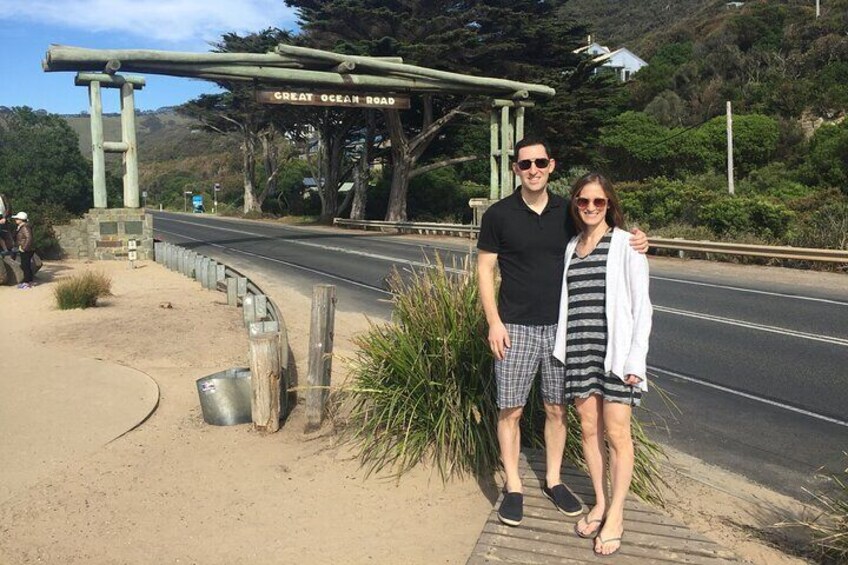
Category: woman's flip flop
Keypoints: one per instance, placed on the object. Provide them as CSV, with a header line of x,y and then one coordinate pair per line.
x,y
591,533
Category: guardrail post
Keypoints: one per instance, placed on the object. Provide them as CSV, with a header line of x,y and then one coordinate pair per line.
x,y
198,264
241,288
265,380
320,354
191,258
220,275
232,297
210,281
255,307
204,271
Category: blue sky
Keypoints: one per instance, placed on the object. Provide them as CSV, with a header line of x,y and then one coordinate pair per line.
x,y
28,27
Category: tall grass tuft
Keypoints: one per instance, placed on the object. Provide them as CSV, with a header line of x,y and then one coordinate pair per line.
x,y
82,291
423,384
423,387
830,529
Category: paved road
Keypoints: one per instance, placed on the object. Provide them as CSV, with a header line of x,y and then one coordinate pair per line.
x,y
758,371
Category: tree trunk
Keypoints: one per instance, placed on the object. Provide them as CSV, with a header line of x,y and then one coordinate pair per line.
x,y
328,189
270,161
361,172
407,151
396,211
249,172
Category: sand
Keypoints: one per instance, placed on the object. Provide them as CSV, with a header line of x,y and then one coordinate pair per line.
x,y
76,488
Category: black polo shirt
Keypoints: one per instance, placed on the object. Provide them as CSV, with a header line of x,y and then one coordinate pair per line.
x,y
531,256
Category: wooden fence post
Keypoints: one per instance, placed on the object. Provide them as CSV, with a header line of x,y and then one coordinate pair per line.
x,y
265,374
320,353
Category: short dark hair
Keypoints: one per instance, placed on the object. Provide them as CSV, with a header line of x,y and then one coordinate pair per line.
x,y
614,215
529,141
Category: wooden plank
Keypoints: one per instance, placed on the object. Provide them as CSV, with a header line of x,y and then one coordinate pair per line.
x,y
560,531
546,535
532,550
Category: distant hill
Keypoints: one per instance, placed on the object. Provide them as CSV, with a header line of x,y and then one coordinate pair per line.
x,y
175,154
617,23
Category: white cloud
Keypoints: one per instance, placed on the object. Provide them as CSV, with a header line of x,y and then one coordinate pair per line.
x,y
172,21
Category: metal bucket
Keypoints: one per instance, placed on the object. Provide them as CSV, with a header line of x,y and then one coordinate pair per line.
x,y
225,397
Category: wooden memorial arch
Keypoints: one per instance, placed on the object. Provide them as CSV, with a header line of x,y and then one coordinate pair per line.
x,y
288,75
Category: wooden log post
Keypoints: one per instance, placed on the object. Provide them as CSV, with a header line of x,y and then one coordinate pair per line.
x,y
265,371
130,157
320,354
98,158
157,251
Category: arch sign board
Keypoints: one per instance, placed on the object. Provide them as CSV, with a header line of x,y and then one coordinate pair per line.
x,y
328,98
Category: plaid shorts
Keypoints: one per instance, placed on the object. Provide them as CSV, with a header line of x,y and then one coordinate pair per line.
x,y
531,348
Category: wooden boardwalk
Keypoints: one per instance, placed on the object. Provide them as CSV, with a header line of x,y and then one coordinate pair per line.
x,y
547,536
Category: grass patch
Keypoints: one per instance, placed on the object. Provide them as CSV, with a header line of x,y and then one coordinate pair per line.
x,y
423,387
830,528
82,291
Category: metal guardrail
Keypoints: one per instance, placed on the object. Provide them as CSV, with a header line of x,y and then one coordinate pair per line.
x,y
170,260
426,228
769,251
775,252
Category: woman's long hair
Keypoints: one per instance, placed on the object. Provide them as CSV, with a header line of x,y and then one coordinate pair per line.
x,y
614,216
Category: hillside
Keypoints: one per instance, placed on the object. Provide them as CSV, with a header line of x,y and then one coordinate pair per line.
x,y
175,154
617,23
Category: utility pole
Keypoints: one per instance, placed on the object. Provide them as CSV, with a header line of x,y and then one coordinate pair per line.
x,y
818,8
730,187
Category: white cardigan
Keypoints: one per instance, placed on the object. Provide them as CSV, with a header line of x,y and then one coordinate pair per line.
x,y
628,309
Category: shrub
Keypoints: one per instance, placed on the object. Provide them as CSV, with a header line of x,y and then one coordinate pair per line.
x,y
826,227
755,215
423,387
82,291
423,384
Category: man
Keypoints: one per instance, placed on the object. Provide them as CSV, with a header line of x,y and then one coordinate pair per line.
x,y
25,243
526,235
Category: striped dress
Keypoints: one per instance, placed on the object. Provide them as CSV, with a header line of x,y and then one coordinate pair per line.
x,y
586,335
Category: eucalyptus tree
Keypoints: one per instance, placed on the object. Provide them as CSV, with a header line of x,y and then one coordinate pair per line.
x,y
262,130
525,40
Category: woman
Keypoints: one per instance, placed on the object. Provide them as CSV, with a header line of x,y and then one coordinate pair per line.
x,y
602,337
25,243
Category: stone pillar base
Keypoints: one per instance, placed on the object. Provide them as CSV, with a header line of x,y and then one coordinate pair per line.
x,y
103,234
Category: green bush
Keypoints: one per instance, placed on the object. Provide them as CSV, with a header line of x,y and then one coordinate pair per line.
x,y
82,291
755,215
423,387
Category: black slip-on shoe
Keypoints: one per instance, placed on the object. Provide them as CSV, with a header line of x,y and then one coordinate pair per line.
x,y
564,499
511,511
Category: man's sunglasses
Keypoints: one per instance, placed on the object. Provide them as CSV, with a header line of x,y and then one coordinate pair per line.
x,y
541,163
583,203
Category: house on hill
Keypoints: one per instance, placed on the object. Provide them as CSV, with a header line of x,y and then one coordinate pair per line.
x,y
623,62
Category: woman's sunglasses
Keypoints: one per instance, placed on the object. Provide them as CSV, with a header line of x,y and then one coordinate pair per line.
x,y
583,203
541,163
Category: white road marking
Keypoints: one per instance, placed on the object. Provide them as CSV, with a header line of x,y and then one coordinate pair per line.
x,y
751,397
750,325
752,290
